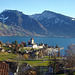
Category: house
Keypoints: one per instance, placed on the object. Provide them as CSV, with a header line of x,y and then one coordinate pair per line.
x,y
0,45
27,69
10,45
2,50
4,68
9,51
7,67
15,69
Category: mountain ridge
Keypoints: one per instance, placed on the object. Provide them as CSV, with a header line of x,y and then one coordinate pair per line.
x,y
45,24
56,23
15,18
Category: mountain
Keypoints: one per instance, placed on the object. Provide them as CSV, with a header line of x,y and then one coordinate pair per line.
x,y
48,23
15,23
56,24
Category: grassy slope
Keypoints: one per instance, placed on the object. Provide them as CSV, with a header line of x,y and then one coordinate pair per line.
x,y
7,56
10,56
39,62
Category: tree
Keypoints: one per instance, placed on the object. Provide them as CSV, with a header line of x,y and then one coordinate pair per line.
x,y
58,52
13,48
24,68
52,63
32,49
57,46
24,43
40,54
41,44
37,53
21,45
1,43
7,43
16,42
69,61
26,56
19,58
17,47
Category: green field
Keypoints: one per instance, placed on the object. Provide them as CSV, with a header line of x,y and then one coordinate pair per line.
x,y
11,57
38,62
7,56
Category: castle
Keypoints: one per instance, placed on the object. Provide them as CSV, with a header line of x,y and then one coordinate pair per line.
x,y
32,44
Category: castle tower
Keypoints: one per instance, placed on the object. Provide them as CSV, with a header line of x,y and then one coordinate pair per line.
x,y
32,41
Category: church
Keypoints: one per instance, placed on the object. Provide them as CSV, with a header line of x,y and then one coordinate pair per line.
x,y
32,44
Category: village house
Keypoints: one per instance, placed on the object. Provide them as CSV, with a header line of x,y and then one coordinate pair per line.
x,y
2,50
9,45
0,46
53,50
8,68
4,68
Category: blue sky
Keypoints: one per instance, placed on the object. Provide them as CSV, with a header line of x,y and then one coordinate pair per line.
x,y
66,7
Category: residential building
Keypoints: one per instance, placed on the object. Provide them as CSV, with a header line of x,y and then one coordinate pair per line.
x,y
4,68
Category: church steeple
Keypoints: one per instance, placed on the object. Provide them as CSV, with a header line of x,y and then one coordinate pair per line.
x,y
32,41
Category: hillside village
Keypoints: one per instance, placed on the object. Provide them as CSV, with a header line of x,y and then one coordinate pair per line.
x,y
37,37
33,59
26,52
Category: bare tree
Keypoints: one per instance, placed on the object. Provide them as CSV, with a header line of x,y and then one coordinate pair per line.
x,y
69,61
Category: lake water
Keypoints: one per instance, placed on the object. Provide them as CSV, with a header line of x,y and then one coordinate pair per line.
x,y
62,42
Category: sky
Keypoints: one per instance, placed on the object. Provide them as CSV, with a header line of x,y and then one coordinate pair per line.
x,y
29,7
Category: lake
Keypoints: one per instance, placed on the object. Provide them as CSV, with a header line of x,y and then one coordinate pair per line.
x,y
62,42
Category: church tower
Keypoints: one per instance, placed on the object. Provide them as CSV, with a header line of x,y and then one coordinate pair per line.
x,y
32,41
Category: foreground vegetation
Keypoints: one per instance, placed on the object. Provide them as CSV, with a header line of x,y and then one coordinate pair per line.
x,y
38,59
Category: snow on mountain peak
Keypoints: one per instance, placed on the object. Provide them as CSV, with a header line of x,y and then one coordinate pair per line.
x,y
73,19
3,18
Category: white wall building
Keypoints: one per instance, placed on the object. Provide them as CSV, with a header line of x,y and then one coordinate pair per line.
x,y
34,45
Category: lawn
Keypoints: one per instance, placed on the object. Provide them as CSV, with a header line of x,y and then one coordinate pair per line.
x,y
7,56
7,48
38,62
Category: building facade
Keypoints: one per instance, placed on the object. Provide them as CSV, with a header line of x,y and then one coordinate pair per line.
x,y
4,68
